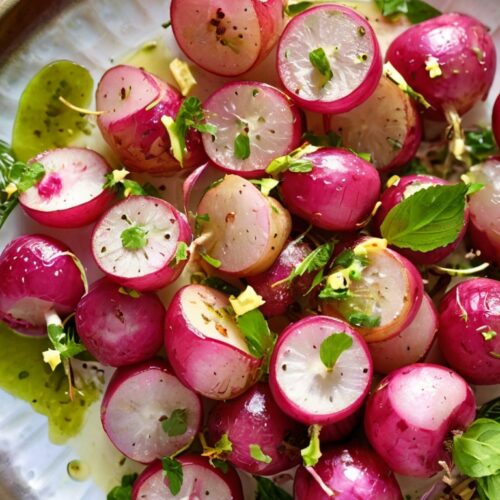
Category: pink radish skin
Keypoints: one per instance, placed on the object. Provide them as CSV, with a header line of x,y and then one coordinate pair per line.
x,y
337,194
200,480
38,276
136,134
279,298
413,442
246,230
394,195
409,346
71,193
300,382
464,51
271,120
118,329
254,418
204,345
137,400
342,429
226,38
352,471
466,314
346,37
148,268
387,125
495,120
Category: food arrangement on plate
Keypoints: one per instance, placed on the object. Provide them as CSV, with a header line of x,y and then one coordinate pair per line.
x,y
317,304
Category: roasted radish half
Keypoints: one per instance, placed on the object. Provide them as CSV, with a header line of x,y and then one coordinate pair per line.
x,y
329,59
255,124
71,192
135,243
137,405
245,230
225,37
387,125
310,385
204,345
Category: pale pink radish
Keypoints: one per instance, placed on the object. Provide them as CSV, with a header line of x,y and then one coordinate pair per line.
x,y
196,184
387,125
204,345
225,37
71,192
245,231
409,346
350,63
254,112
136,241
133,102
413,412
304,387
120,326
39,276
199,480
138,399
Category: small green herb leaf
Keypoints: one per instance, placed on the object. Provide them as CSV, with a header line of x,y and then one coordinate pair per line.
x,y
124,491
26,175
489,335
172,468
312,453
334,293
199,220
329,140
364,320
296,8
220,450
64,341
210,260
332,347
242,146
258,337
266,185
257,454
129,291
480,144
415,10
117,182
221,285
474,188
220,464
134,238
490,410
176,424
319,60
268,490
181,253
166,24
488,487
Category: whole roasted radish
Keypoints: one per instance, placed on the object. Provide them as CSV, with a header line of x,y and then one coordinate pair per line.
x,y
39,276
71,192
120,326
329,59
225,37
133,102
413,412
135,243
137,404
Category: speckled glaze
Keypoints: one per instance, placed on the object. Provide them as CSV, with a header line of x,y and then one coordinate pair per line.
x,y
466,312
39,275
353,471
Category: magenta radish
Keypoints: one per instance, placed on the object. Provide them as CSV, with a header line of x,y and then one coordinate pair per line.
x,y
399,191
71,193
264,439
413,442
449,59
384,295
204,345
352,471
342,429
387,125
120,326
200,480
469,330
329,59
39,276
255,124
306,388
137,404
495,119
135,243
132,102
245,230
279,297
338,194
409,346
224,37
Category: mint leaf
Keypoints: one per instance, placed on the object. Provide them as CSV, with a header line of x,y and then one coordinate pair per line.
x,y
430,218
488,487
332,347
415,10
259,339
26,175
297,8
268,490
312,453
176,424
172,468
64,341
490,410
257,454
319,60
134,238
363,320
242,146
221,285
124,491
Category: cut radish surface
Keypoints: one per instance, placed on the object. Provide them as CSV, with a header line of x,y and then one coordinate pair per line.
x,y
71,192
387,125
246,230
226,37
204,345
138,399
329,59
255,124
135,242
200,480
409,346
303,386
